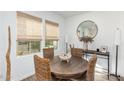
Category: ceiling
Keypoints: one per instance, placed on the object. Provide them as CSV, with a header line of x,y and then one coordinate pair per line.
x,y
66,14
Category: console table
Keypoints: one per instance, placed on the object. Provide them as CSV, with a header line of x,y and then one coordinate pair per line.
x,y
99,53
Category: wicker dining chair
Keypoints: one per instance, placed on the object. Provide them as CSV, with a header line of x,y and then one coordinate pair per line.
x,y
77,52
91,68
89,74
42,68
48,53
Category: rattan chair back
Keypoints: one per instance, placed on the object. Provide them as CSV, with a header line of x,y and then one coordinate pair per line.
x,y
42,68
48,53
91,68
77,52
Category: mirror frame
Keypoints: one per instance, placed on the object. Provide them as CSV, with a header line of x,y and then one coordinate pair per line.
x,y
84,22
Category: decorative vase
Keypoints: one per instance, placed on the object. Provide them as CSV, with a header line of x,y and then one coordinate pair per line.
x,y
85,45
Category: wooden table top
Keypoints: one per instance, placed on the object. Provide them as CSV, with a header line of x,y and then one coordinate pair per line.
x,y
74,67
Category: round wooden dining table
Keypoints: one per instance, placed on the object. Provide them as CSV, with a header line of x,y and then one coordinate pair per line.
x,y
67,70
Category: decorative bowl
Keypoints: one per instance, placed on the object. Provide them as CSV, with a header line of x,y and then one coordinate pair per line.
x,y
65,57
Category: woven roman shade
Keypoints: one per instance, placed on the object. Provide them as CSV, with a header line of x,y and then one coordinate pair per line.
x,y
28,27
52,30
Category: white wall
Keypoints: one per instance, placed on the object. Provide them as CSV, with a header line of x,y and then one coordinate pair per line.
x,y
0,43
22,66
107,23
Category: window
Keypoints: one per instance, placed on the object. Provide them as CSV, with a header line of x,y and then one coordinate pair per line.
x,y
52,34
28,34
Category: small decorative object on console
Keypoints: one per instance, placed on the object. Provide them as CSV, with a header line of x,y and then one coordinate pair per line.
x,y
104,49
97,49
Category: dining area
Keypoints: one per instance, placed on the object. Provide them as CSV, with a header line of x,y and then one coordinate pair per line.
x,y
56,68
39,48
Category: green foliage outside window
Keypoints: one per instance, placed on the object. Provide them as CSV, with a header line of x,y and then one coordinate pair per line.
x,y
51,43
27,47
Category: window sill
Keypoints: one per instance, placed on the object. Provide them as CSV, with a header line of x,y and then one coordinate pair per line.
x,y
29,55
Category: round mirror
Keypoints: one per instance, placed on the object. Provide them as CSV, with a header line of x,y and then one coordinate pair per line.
x,y
86,31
